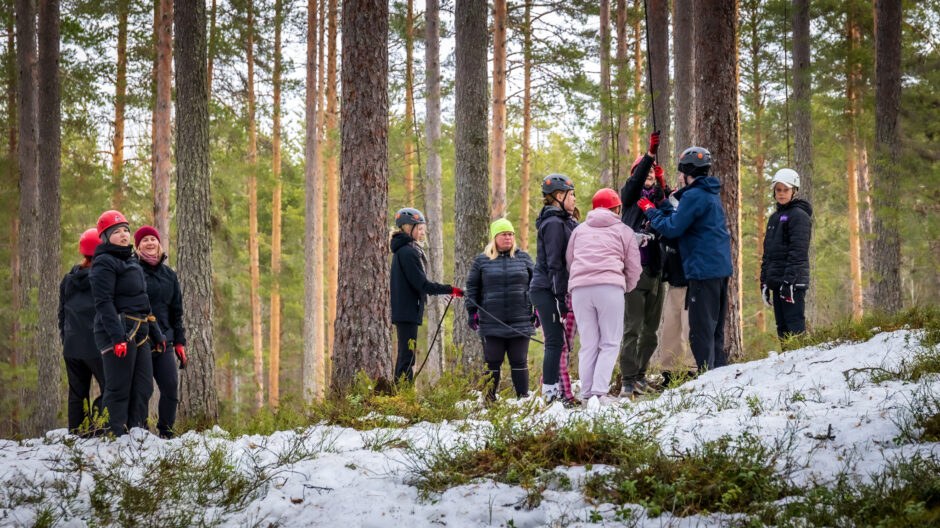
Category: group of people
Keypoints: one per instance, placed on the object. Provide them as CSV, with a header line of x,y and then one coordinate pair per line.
x,y
609,275
121,323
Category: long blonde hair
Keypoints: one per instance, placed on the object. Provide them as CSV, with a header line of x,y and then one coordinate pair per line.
x,y
491,251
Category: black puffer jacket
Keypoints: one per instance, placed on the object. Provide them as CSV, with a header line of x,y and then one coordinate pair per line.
x,y
786,245
410,285
166,301
119,287
633,216
77,315
501,287
551,271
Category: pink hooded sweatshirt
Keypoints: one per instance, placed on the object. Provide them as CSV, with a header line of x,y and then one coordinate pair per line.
x,y
603,250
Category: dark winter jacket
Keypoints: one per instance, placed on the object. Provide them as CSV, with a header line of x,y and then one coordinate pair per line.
x,y
551,271
410,285
119,288
166,301
698,224
633,216
786,245
77,316
501,287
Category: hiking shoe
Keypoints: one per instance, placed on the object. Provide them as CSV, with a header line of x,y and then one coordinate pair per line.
x,y
642,387
628,390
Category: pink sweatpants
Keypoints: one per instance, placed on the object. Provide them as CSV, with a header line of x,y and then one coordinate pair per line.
x,y
599,311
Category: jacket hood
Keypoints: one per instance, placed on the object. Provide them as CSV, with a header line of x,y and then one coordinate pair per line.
x,y
400,240
550,211
121,252
79,277
797,202
602,218
707,183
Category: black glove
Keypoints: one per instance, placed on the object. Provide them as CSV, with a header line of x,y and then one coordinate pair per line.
x,y
786,292
535,319
473,320
767,294
562,305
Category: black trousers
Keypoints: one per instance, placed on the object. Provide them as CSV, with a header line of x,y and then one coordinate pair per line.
x,y
517,349
166,374
128,384
554,330
79,372
407,345
790,317
707,301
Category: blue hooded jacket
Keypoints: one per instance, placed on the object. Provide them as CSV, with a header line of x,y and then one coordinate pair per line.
x,y
699,226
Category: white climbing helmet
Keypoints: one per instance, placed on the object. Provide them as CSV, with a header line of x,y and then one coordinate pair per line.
x,y
788,177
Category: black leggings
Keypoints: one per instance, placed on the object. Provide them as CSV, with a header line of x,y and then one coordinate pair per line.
x,y
80,371
407,344
517,348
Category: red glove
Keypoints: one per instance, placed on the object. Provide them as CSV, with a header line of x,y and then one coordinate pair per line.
x,y
456,292
120,349
181,355
645,204
654,142
658,171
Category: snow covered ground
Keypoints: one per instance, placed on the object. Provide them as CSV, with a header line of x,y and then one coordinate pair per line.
x,y
836,419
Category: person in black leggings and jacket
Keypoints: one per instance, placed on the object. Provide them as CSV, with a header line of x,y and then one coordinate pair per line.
x,y
77,330
410,286
499,283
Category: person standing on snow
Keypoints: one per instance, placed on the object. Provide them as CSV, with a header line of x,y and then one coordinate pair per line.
x,y
166,301
644,304
498,283
548,288
124,325
410,286
699,226
603,263
784,269
77,330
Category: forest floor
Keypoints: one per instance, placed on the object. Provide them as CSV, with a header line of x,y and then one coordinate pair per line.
x,y
835,434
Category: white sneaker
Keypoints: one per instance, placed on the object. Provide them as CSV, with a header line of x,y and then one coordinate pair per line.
x,y
550,393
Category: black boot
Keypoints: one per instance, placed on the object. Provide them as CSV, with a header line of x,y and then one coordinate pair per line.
x,y
520,381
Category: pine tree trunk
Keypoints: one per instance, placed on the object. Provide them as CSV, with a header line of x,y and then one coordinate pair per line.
x,y
803,131
853,78
622,164
639,68
313,225
498,172
332,178
432,185
162,164
48,356
470,138
683,40
866,223
198,397
120,101
362,315
524,197
325,329
211,46
409,104
274,368
606,102
253,265
756,81
659,64
6,392
28,247
716,81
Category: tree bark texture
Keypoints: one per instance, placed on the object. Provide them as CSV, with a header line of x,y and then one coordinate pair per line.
x,y
274,368
853,80
332,174
683,41
886,288
120,102
198,397
254,268
659,64
313,225
471,199
410,139
211,47
606,127
433,196
362,315
716,81
162,163
639,73
803,131
622,165
498,173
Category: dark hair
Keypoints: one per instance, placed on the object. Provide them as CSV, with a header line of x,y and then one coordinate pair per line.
x,y
86,263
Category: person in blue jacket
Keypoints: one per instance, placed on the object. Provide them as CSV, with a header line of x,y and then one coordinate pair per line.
x,y
699,226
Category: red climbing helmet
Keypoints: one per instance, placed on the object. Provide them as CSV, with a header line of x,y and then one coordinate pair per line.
x,y
109,219
88,242
606,198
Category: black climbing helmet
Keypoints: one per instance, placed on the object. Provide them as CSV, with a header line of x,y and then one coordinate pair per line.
x,y
556,182
695,161
409,215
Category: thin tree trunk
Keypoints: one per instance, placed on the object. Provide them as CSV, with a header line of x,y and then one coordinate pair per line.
x,y
409,104
362,318
683,39
622,164
498,172
470,139
716,81
853,78
211,50
803,130
639,67
887,245
274,369
324,330
120,101
866,223
6,392
161,121
313,225
659,68
254,267
332,177
606,102
527,124
432,185
50,265
756,80
198,397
